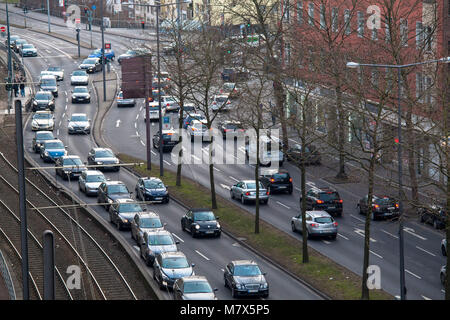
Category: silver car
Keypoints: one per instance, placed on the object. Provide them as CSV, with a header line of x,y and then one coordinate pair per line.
x,y
246,191
79,123
145,222
58,72
79,77
318,223
193,288
157,242
89,181
444,247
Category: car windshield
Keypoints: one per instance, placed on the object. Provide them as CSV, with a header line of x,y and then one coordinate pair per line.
x,y
104,154
232,126
188,108
151,223
95,178
323,220
44,136
252,185
28,46
279,176
21,41
43,96
385,201
221,99
54,69
80,90
78,118
204,216
160,239
130,52
42,116
328,196
153,184
79,73
51,82
200,126
247,270
169,99
197,287
54,145
229,86
175,263
227,70
89,61
117,188
130,207
72,162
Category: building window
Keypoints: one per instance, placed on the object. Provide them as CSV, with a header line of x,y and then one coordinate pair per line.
x,y
419,86
428,84
334,19
360,24
388,30
404,32
300,12
389,80
347,21
311,13
287,12
322,16
419,34
287,53
374,78
428,34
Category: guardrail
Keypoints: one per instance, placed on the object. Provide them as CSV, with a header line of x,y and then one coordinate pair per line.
x,y
7,277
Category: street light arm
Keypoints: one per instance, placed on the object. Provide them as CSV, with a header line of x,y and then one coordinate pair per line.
x,y
356,64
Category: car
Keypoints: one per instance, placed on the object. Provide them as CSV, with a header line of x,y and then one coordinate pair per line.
x,y
245,191
318,223
81,94
244,278
193,288
43,120
156,242
267,154
171,48
382,207
79,123
91,65
27,50
58,72
43,100
103,156
69,167
191,117
11,41
171,266
18,43
169,137
145,222
108,191
39,138
89,181
443,274
122,212
79,77
121,102
276,180
220,103
153,111
48,83
234,74
324,198
444,247
170,103
201,222
127,55
434,215
109,54
156,93
163,85
310,156
188,108
52,149
231,129
45,73
151,189
198,128
230,89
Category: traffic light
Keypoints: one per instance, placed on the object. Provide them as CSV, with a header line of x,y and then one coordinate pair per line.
x,y
7,84
25,9
86,10
143,25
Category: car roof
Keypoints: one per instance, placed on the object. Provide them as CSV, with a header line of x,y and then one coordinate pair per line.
x,y
148,214
222,96
200,209
155,232
70,157
243,262
273,171
194,278
48,76
43,132
79,114
43,112
325,189
151,178
231,122
318,213
176,254
44,92
109,182
80,87
92,172
54,140
165,131
100,149
248,181
124,200
194,121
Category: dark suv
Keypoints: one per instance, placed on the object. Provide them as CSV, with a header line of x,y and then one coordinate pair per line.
x,y
434,215
326,199
382,207
109,191
276,180
169,140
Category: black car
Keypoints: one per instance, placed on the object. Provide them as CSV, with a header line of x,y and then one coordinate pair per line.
x,y
91,65
81,94
17,43
382,207
434,215
234,74
310,155
39,138
69,167
151,189
122,212
232,129
103,156
324,198
109,191
201,222
276,180
43,100
169,140
244,278
11,40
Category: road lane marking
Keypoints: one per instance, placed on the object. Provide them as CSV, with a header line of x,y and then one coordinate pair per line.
x,y
136,247
375,254
216,169
392,235
137,116
426,298
135,125
233,178
225,186
67,100
340,235
415,275
177,237
413,233
167,162
117,123
432,254
137,134
65,108
57,132
298,189
142,142
153,153
326,242
202,255
362,234
282,204
357,218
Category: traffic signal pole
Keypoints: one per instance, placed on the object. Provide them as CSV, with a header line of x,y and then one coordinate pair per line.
x,y
48,15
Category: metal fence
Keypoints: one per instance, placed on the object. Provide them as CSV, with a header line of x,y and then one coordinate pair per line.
x,y
4,271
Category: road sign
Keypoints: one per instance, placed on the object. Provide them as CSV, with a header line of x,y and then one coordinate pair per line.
x,y
77,20
107,45
166,122
93,7
2,29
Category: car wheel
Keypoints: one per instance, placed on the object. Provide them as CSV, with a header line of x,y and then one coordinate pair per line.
x,y
333,237
154,274
225,284
193,232
443,279
308,236
421,218
182,226
231,194
89,101
233,293
294,229
265,295
290,190
444,253
243,200
119,225
265,201
359,209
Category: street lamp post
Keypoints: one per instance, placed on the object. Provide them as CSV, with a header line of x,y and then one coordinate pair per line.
x,y
354,65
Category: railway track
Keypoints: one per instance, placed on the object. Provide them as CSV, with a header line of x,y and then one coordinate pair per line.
x,y
74,245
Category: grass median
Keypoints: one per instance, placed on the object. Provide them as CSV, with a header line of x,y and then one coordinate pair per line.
x,y
321,272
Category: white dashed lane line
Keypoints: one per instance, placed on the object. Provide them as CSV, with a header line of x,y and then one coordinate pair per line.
x,y
167,162
282,204
177,237
216,169
413,274
233,178
375,254
392,235
340,235
202,255
354,217
421,249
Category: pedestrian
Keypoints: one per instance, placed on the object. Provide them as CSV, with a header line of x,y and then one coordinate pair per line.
x,y
16,87
22,86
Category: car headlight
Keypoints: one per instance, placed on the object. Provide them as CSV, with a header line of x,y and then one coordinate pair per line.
x,y
264,286
197,226
50,103
116,161
239,286
164,276
38,144
35,102
70,126
124,220
99,162
218,225
46,153
110,201
65,152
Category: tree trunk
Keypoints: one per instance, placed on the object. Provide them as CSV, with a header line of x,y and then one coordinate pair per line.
x,y
257,183
303,209
410,142
341,124
211,178
180,142
279,97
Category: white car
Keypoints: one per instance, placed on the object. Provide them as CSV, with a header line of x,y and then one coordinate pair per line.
x,y
79,77
79,123
58,72
198,128
42,120
221,102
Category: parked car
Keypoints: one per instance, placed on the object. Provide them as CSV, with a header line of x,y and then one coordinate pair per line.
x,y
230,89
43,120
191,117
444,247
89,181
193,288
151,189
52,149
69,167
81,94
318,223
276,180
103,156
246,191
325,199
220,103
382,207
244,278
122,212
231,128
310,156
169,140
79,77
18,43
79,123
48,83
201,222
188,108
91,65
109,54
198,128
27,50
443,274
121,102
108,191
145,222
156,242
39,138
434,215
171,266
43,100
58,72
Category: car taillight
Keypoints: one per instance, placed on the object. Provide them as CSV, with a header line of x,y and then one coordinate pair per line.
x,y
226,130
314,225
290,179
247,193
228,102
376,206
319,201
396,205
272,180
335,224
340,201
214,103
267,192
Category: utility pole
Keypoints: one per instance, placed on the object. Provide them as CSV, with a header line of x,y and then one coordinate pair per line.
x,y
78,40
147,116
103,50
10,69
161,163
48,15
